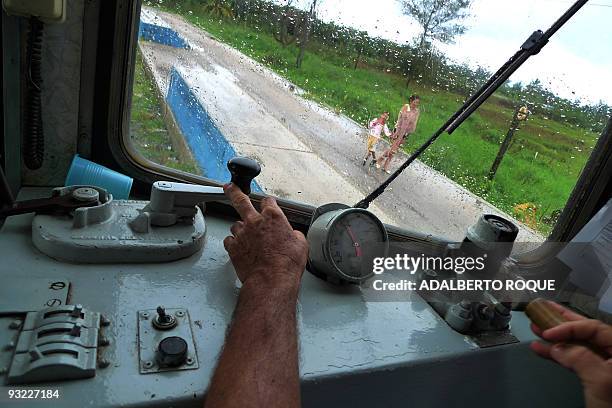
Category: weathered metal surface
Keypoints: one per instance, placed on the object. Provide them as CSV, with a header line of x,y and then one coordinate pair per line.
x,y
352,353
24,293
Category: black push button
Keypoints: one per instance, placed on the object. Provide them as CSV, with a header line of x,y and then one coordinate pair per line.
x,y
172,352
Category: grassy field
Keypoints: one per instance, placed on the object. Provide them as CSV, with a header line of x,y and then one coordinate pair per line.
x,y
148,130
541,167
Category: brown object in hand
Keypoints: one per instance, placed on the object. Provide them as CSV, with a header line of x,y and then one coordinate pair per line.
x,y
543,315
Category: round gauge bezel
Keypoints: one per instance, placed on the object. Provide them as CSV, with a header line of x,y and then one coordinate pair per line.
x,y
331,228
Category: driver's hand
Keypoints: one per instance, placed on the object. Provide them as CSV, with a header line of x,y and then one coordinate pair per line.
x,y
594,370
264,247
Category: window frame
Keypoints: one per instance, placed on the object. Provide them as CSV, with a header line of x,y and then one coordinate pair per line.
x,y
117,42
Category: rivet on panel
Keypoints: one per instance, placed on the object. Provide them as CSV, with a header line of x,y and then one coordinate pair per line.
x,y
104,322
15,324
76,312
35,354
76,330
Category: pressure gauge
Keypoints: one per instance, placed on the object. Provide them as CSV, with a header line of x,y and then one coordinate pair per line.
x,y
344,241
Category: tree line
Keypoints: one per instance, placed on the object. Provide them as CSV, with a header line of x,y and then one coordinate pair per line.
x,y
418,61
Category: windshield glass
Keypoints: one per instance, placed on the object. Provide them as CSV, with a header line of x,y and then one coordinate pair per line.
x,y
331,95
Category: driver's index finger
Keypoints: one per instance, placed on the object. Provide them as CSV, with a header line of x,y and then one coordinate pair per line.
x,y
240,201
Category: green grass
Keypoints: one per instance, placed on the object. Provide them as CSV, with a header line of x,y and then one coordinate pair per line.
x,y
328,77
148,130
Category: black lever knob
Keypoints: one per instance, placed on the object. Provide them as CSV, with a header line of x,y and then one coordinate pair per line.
x,y
243,171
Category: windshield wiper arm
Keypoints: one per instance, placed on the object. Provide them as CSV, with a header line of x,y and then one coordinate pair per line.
x,y
532,46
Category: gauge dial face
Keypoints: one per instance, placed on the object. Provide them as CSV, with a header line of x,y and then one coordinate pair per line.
x,y
355,238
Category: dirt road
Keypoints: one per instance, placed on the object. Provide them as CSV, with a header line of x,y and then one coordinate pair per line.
x,y
233,87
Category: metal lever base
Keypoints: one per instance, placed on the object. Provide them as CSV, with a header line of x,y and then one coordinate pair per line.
x,y
173,202
115,240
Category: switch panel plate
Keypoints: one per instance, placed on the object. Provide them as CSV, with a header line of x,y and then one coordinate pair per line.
x,y
55,344
149,338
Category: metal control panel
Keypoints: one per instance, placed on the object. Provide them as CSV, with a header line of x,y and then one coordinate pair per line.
x,y
353,353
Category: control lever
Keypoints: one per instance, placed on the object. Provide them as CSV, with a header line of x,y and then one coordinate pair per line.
x,y
170,226
57,203
169,201
172,201
243,171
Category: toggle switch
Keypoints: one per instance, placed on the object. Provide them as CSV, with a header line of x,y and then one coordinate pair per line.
x,y
164,321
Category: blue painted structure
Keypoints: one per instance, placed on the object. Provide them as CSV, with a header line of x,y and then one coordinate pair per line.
x,y
207,144
161,35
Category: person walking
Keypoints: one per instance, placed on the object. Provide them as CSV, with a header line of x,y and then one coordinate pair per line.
x,y
406,125
376,127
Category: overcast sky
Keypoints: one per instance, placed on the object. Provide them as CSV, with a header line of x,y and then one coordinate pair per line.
x,y
577,63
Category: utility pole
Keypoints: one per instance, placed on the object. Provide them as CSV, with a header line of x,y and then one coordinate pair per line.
x,y
520,115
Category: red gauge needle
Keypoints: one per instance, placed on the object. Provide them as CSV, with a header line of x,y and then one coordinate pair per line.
x,y
355,243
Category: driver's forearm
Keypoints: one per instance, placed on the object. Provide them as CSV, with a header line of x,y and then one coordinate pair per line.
x,y
259,364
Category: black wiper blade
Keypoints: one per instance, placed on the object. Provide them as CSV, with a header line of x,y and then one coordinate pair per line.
x,y
532,46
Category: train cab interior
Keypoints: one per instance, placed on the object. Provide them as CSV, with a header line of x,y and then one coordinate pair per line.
x,y
120,121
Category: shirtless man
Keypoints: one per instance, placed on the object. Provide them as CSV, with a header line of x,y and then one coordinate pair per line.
x,y
406,124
